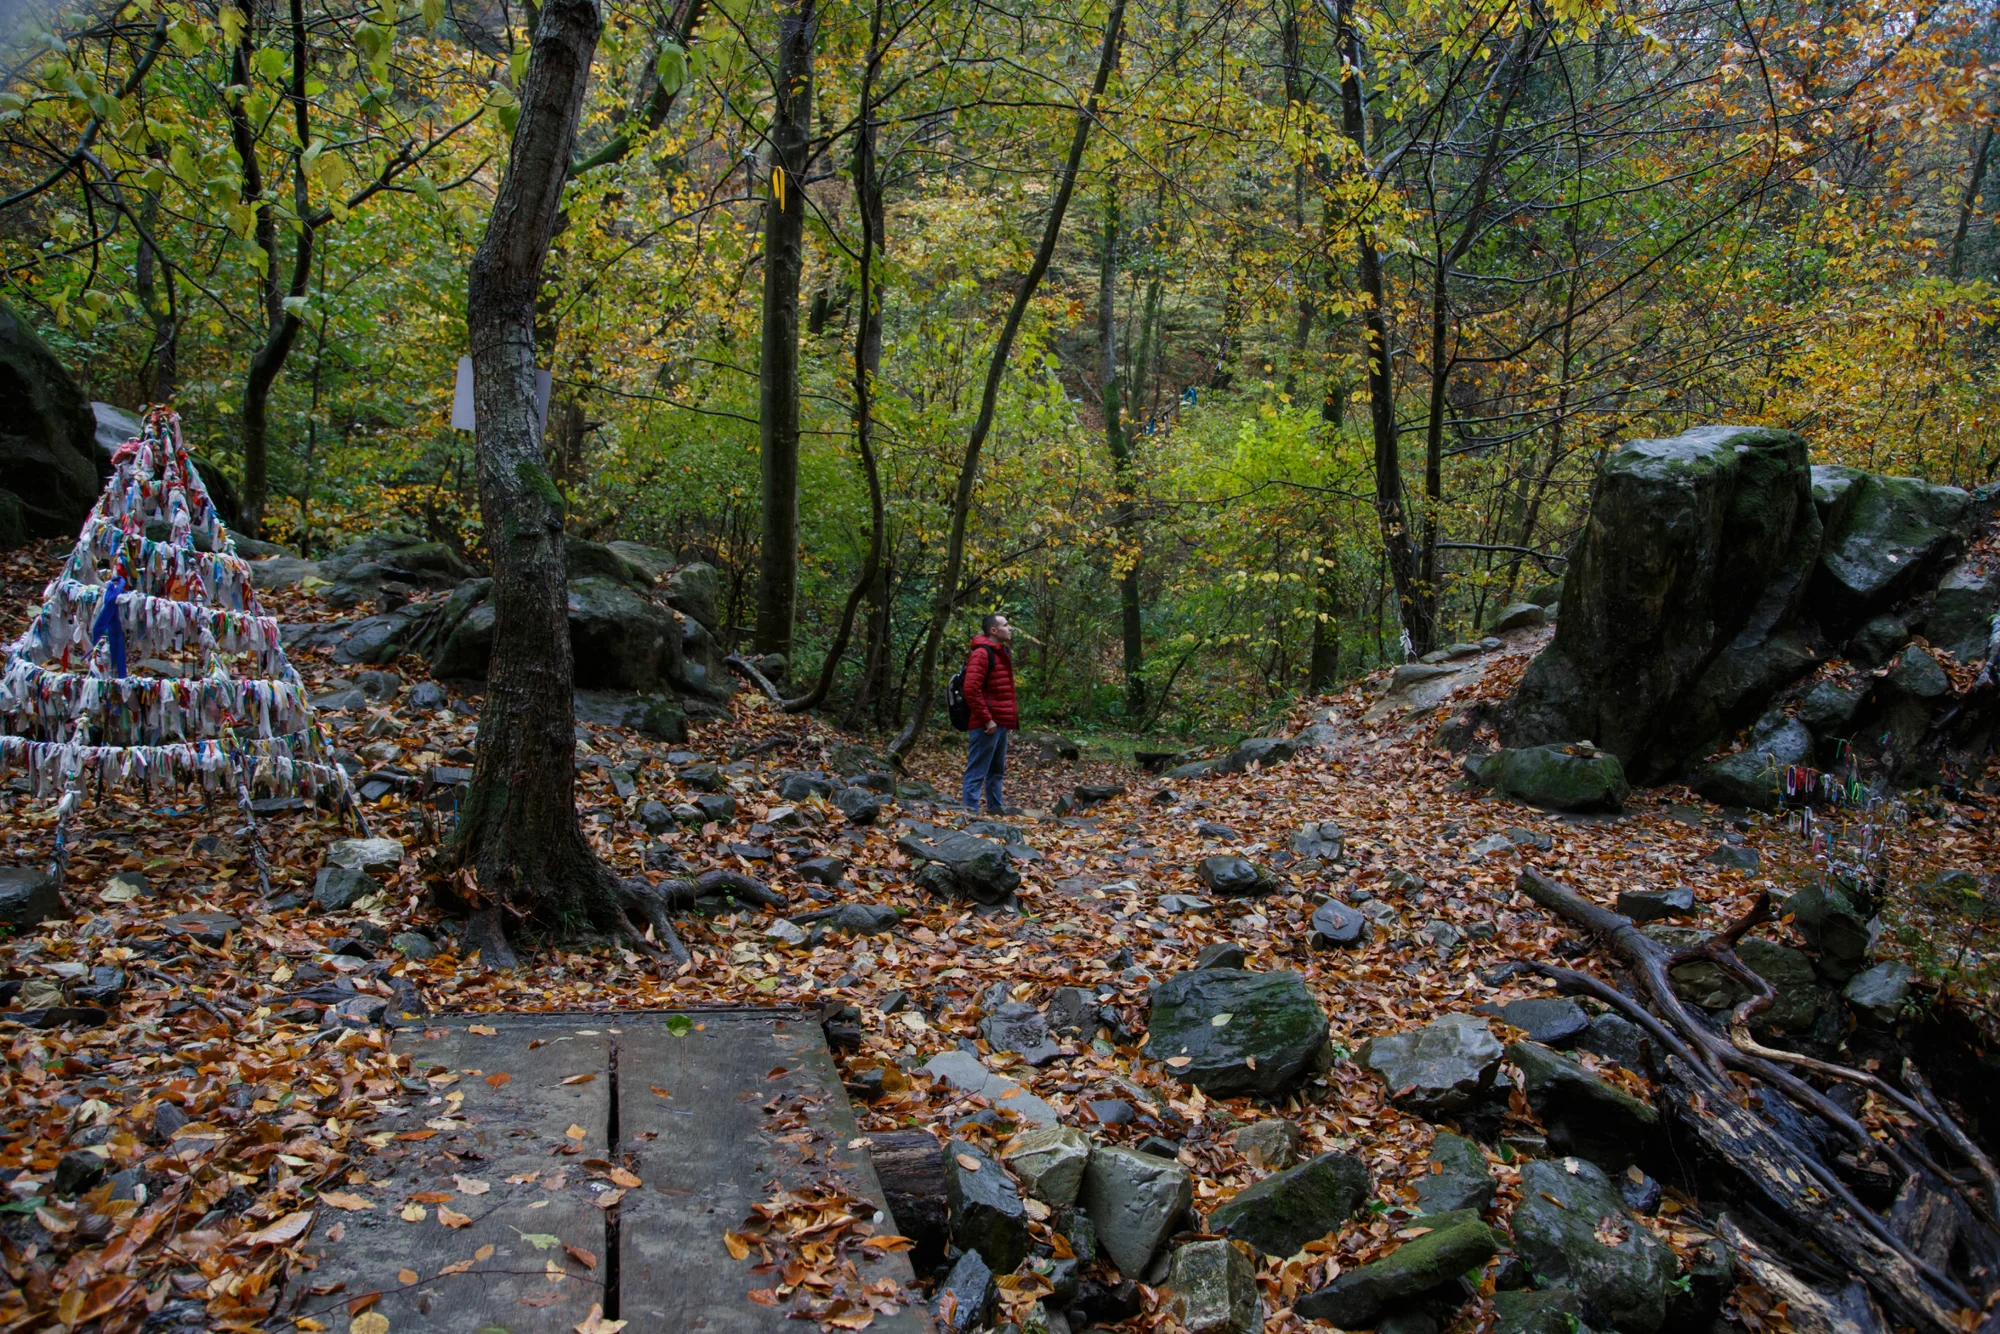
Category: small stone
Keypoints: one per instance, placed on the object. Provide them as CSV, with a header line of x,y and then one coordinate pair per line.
x,y
1134,1201
1018,1027
1491,844
967,1296
339,887
1072,1010
210,928
413,945
1446,936
168,1118
1287,1209
1222,954
826,871
76,1172
1830,925
859,805
1640,1192
1272,1144
717,806
786,933
1732,857
1337,926
1210,829
428,696
1438,1070
1113,1111
963,1070
657,816
1654,905
1049,1163
1322,841
1176,904
986,1210
28,897
1458,1179
1881,992
1234,876
705,776
1214,1288
366,854
1549,1020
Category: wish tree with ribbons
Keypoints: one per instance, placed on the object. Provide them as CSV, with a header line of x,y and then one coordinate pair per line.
x,y
152,667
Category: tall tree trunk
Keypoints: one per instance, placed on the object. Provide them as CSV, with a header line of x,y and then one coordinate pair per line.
x,y
1323,669
1415,609
778,369
153,283
1970,200
518,829
968,472
1125,515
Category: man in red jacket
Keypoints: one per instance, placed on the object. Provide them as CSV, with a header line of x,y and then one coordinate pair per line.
x,y
989,691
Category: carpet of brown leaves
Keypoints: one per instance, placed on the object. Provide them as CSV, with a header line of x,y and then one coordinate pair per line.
x,y
243,1121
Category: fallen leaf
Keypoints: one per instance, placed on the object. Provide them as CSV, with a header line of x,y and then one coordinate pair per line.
x,y
579,1079
595,1323
406,1276
548,1298
370,1322
739,1245
482,1030
499,1079
341,1199
889,1241
763,1297
581,1256
432,1197
541,1241
968,1162
452,1218
659,1092
470,1185
576,1132
483,1254
620,1177
1178,1061
289,1228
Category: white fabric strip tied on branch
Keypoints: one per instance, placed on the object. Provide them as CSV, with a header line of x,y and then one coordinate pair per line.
x,y
72,720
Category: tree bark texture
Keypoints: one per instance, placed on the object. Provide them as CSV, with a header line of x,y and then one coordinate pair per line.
x,y
518,829
1124,518
778,368
968,472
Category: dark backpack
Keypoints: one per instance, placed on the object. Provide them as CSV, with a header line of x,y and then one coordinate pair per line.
x,y
955,702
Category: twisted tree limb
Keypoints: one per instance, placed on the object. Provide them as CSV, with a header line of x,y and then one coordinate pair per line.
x,y
1703,1071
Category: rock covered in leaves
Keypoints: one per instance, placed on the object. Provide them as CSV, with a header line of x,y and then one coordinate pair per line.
x,y
1437,1070
1287,1209
1230,1032
1573,1229
1456,1243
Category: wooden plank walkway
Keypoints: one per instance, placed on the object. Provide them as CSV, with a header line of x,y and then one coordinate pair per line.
x,y
497,1204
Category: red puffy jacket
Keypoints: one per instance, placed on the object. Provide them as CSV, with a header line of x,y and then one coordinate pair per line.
x,y
989,685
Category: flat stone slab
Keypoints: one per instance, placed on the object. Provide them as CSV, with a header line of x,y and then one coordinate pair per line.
x,y
712,1112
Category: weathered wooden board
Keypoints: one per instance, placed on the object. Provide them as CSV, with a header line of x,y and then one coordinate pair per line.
x,y
541,1146
707,1154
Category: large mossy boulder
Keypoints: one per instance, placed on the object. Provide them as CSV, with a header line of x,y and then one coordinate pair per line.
x,y
1753,777
1456,1245
1884,536
1574,1231
1557,777
1961,618
1230,1032
621,639
48,453
1689,540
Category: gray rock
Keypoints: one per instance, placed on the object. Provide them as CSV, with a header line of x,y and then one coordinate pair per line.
x,y
1581,1114
1320,840
1616,1038
1354,1300
1525,1311
1210,829
1173,905
1458,1177
1018,1027
1262,751
986,1210
1271,1144
859,805
1831,926
1573,1230
28,896
1135,1201
1049,1163
1437,1070
366,854
1271,1019
826,871
1234,876
1196,769
656,816
1558,777
1884,536
1549,1020
339,887
1491,844
1830,708
1222,954
854,919
1072,1010
1416,673
703,776
1917,674
620,638
1751,777
1797,1005
962,1070
1735,857
1520,616
786,932
413,945
1337,926
1445,936
1654,905
717,806
1696,555
1214,1289
799,786
428,696
210,928
967,1296
1287,1209
48,439
1881,992
1961,618
979,866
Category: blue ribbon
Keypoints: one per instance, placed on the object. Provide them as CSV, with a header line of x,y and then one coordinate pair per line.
x,y
109,627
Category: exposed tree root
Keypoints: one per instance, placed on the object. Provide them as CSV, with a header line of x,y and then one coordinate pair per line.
x,y
1712,1083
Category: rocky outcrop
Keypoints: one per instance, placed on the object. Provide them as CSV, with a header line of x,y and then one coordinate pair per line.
x,y
48,458
1718,569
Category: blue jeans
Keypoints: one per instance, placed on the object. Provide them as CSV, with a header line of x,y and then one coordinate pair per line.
x,y
984,768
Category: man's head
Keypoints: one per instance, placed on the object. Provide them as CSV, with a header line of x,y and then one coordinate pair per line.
x,y
995,627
